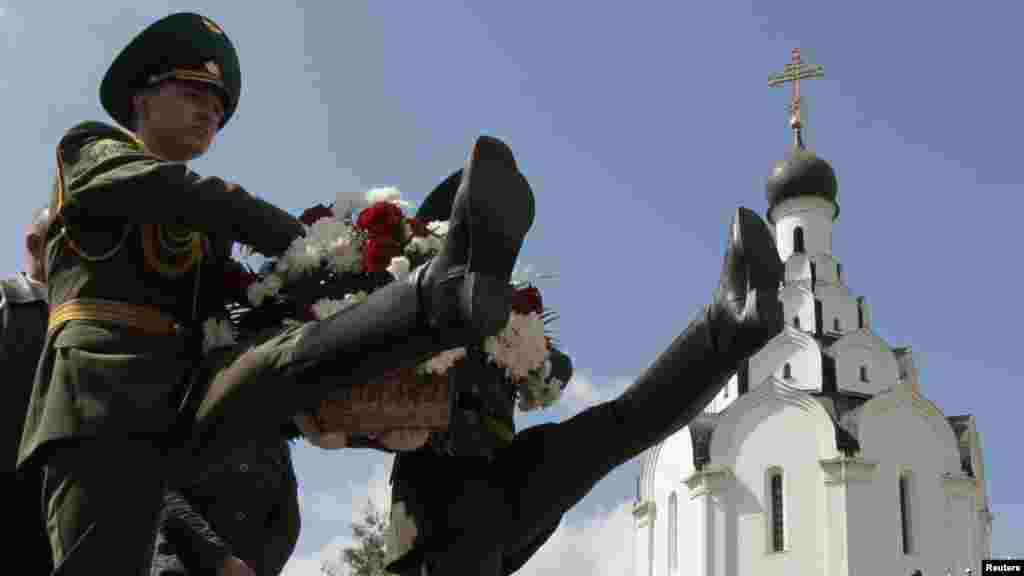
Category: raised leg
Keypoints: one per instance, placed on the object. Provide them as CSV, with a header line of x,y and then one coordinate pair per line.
x,y
549,468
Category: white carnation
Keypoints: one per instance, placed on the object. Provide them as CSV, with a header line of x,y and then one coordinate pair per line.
x,y
521,347
388,194
399,267
345,255
438,227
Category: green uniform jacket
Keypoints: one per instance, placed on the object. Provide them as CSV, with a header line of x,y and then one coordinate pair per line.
x,y
98,379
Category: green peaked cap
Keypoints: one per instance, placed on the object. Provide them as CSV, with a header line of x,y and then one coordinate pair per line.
x,y
184,46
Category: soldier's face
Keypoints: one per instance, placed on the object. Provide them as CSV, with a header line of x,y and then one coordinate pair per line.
x,y
180,119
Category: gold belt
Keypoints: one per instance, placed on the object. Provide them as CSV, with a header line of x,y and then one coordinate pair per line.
x,y
145,318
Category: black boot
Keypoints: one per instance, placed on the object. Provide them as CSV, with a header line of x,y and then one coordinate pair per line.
x,y
549,468
744,315
459,298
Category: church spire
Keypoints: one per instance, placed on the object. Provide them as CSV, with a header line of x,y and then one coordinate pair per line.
x,y
794,72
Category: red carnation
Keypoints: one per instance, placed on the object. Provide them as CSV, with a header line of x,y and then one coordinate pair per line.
x,y
378,252
526,300
381,219
311,215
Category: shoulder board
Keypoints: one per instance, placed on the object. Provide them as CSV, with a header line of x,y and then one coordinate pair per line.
x,y
92,131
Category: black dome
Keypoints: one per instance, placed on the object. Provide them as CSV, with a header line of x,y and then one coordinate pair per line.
x,y
802,174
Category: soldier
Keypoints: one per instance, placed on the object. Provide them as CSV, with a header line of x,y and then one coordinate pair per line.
x,y
22,327
508,506
136,256
240,517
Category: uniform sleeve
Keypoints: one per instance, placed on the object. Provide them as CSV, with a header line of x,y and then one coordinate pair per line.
x,y
285,524
190,533
109,177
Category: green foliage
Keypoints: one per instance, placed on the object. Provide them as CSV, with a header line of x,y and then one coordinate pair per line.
x,y
369,555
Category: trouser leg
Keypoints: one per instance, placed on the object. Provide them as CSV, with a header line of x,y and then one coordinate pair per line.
x,y
102,506
30,538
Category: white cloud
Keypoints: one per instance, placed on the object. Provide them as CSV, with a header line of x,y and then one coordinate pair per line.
x,y
599,545
581,392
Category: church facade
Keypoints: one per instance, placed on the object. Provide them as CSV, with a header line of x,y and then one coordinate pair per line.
x,y
823,455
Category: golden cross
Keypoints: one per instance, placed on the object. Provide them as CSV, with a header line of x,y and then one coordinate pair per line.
x,y
794,72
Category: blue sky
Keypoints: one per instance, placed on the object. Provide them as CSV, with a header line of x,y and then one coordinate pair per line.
x,y
641,126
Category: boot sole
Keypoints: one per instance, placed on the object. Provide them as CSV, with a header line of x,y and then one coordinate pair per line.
x,y
501,208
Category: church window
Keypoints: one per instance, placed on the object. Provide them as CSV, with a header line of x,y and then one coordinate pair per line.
x,y
673,534
814,274
796,322
864,373
839,271
835,324
798,240
778,536
860,316
906,526
787,371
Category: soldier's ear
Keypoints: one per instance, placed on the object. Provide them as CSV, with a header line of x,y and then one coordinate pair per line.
x,y
34,244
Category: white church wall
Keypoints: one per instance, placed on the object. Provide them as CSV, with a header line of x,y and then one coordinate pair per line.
x,y
864,363
773,427
826,268
792,347
907,435
836,303
798,269
671,463
813,216
798,307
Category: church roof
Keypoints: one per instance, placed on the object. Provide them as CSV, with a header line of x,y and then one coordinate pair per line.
x,y
802,174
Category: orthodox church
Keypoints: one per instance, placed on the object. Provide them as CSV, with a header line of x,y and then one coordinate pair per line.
x,y
823,455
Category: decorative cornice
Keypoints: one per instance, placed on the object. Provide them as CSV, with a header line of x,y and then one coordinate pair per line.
x,y
708,480
959,485
846,469
645,512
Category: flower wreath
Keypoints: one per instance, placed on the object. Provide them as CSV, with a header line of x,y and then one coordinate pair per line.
x,y
344,258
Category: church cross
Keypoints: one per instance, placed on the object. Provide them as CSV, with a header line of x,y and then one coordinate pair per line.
x,y
794,72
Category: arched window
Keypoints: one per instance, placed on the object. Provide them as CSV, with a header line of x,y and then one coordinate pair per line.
x,y
839,271
860,315
906,522
835,324
673,533
864,373
798,240
787,372
776,501
796,322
